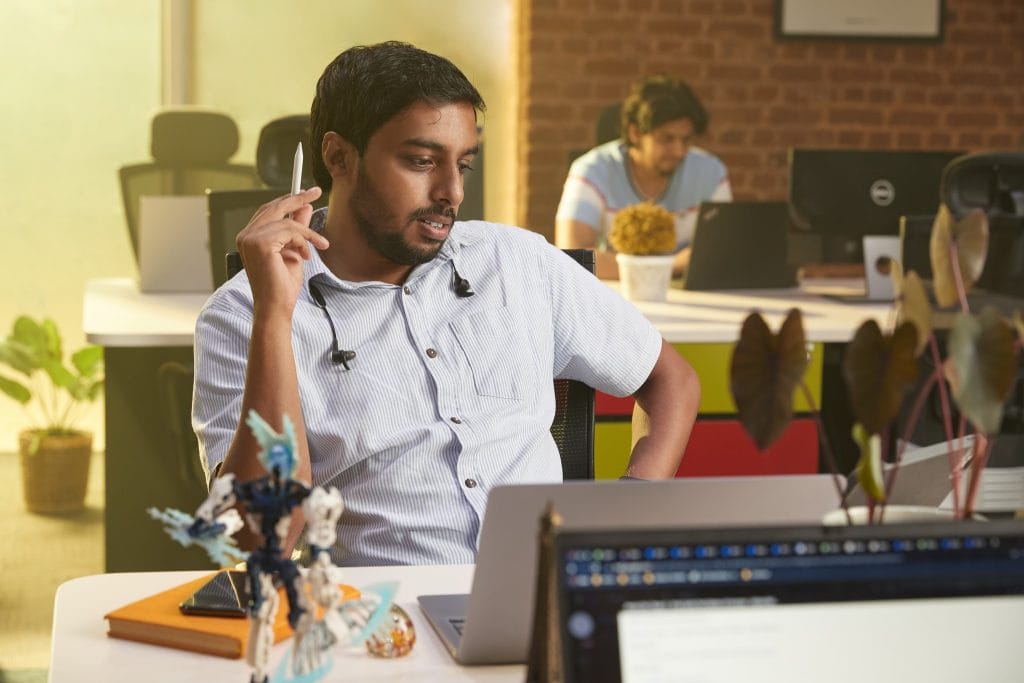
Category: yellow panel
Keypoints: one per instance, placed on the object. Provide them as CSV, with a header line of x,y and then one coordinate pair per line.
x,y
611,449
711,361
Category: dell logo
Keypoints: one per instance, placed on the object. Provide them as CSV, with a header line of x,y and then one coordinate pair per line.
x,y
882,192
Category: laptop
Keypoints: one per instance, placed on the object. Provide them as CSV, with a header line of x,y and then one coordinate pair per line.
x,y
740,245
491,625
885,603
923,477
174,256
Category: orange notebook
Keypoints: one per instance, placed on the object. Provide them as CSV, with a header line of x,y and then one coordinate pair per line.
x,y
158,620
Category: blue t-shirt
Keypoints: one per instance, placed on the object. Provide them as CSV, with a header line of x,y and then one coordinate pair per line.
x,y
599,186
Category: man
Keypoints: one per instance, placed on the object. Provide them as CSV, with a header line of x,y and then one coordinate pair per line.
x,y
414,354
655,161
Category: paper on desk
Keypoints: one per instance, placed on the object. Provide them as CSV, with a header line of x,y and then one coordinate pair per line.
x,y
1001,490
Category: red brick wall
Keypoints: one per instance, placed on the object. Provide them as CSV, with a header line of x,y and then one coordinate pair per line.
x,y
763,95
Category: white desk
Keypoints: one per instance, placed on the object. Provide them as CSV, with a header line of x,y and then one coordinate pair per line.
x,y
116,314
83,652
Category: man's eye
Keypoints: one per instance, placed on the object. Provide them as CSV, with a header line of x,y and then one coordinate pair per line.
x,y
465,168
420,162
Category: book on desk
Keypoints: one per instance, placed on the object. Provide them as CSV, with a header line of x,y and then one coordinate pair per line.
x,y
158,620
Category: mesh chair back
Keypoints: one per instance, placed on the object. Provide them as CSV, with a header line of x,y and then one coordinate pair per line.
x,y
573,426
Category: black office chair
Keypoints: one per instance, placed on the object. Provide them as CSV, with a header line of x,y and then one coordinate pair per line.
x,y
573,426
609,124
230,211
190,150
994,183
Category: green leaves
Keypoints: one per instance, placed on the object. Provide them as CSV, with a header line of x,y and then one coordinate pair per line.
x,y
34,349
970,236
765,371
878,370
981,367
869,471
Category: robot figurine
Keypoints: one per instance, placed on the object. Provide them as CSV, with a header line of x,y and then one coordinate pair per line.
x,y
268,503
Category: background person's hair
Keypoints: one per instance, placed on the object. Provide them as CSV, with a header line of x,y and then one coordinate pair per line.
x,y
366,86
656,100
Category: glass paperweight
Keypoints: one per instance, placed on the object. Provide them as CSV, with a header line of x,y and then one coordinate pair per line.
x,y
394,636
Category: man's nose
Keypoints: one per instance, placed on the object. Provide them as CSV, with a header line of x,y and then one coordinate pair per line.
x,y
448,186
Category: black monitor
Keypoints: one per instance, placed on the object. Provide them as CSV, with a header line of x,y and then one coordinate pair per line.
x,y
841,195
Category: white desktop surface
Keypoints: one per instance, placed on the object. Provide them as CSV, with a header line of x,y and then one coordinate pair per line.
x,y
83,652
117,314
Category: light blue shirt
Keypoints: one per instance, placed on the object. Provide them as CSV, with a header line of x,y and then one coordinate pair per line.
x,y
599,186
446,398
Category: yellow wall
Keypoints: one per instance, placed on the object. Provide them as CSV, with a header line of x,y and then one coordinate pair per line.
x,y
81,79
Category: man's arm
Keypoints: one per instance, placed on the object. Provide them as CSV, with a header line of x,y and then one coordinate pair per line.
x,y
663,417
273,247
573,234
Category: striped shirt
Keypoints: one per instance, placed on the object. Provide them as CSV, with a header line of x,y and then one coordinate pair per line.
x,y
598,186
447,396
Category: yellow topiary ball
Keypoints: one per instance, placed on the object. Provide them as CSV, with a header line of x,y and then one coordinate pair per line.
x,y
642,230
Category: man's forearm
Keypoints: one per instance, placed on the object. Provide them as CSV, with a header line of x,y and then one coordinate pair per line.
x,y
271,389
663,417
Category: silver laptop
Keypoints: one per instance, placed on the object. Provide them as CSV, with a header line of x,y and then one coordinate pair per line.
x,y
492,624
174,255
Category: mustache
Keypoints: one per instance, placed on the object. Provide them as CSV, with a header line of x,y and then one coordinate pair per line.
x,y
435,210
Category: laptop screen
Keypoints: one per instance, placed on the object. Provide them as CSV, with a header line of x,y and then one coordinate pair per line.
x,y
794,603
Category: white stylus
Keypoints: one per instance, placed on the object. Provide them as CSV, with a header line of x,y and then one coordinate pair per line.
x,y
297,170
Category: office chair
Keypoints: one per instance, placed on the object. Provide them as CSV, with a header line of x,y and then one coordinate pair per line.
x,y
190,150
573,426
994,183
609,124
174,382
230,210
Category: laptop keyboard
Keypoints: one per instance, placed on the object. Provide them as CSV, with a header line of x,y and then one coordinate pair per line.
x,y
457,623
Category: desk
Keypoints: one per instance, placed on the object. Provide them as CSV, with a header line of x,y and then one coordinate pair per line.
x,y
83,652
139,332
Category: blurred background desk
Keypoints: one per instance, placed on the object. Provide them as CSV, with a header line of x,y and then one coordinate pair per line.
x,y
83,652
150,456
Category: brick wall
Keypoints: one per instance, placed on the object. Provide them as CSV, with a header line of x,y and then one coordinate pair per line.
x,y
764,95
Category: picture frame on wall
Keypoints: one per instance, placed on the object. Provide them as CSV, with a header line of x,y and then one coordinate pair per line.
x,y
905,20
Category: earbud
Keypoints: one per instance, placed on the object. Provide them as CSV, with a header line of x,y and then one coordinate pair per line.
x,y
339,356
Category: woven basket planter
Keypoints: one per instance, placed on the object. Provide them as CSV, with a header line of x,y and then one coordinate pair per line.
x,y
54,477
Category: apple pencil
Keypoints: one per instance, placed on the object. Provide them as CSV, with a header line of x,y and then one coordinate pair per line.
x,y
297,170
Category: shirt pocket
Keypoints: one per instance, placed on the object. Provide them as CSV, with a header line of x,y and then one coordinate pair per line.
x,y
487,340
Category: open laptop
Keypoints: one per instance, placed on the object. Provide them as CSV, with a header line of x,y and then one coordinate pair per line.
x,y
886,603
740,245
492,624
174,256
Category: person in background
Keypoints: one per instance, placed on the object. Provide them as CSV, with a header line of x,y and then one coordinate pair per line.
x,y
654,161
415,353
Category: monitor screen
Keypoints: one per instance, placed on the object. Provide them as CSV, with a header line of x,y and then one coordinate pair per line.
x,y
841,195
777,604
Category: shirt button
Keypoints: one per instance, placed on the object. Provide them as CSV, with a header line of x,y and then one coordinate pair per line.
x,y
471,483
431,353
456,420
407,289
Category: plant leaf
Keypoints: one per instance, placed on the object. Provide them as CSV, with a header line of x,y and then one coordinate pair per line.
x,y
88,360
19,392
19,357
764,373
912,306
971,238
878,370
60,375
54,348
869,465
981,367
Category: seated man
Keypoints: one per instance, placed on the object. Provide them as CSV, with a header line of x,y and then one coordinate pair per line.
x,y
413,353
654,161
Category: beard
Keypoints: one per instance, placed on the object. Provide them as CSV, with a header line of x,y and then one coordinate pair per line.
x,y
382,230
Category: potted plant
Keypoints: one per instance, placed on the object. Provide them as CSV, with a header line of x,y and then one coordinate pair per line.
x,y
880,367
644,238
54,454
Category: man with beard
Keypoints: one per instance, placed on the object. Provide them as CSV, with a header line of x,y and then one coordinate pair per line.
x,y
654,161
415,354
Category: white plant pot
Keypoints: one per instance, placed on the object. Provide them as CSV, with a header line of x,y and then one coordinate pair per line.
x,y
644,278
894,514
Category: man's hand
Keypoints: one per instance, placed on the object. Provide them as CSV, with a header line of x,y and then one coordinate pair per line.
x,y
273,247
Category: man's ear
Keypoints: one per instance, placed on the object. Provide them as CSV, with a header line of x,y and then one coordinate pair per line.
x,y
633,135
340,156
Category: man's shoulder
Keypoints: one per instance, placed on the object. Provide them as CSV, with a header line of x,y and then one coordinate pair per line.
x,y
470,233
235,296
701,158
596,164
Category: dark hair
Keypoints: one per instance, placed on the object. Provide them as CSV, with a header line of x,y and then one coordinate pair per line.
x,y
656,100
366,86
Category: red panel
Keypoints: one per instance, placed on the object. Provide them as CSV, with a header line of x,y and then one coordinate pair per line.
x,y
722,448
606,405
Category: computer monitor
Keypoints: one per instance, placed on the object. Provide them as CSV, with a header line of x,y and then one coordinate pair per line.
x,y
841,195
